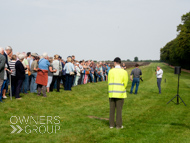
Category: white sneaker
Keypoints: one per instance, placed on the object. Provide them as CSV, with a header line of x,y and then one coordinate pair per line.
x,y
4,97
120,128
111,127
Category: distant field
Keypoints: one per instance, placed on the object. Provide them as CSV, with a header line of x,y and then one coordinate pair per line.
x,y
132,64
83,114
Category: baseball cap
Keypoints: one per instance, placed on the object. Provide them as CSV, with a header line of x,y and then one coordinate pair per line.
x,y
34,54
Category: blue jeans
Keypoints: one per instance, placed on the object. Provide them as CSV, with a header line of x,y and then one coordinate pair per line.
x,y
68,83
2,87
135,81
159,84
91,79
33,85
102,76
25,84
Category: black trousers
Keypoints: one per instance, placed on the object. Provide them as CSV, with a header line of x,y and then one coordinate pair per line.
x,y
63,78
18,88
95,77
80,79
13,84
53,82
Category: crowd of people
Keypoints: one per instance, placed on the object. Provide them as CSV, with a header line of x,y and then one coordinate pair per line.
x,y
30,72
42,74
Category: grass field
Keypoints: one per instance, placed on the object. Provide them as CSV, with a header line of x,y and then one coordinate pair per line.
x,y
146,116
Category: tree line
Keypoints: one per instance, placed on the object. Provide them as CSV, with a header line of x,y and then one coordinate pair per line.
x,y
177,51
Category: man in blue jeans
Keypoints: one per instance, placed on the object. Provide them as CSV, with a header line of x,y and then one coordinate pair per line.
x,y
136,73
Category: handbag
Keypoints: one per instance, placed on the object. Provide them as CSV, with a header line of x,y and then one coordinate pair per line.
x,y
71,73
29,73
87,72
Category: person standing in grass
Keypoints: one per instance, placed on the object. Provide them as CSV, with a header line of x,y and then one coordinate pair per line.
x,y
34,69
77,74
13,74
159,73
56,77
20,74
25,83
136,73
2,67
42,74
69,67
50,73
117,84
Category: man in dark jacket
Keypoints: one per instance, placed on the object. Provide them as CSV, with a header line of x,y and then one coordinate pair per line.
x,y
2,67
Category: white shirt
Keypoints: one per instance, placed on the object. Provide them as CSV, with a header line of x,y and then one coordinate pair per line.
x,y
119,67
81,68
159,73
5,72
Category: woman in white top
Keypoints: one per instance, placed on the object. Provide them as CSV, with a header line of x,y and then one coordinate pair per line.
x,y
58,67
77,74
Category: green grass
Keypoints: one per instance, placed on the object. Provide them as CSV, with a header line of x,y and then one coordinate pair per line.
x,y
146,116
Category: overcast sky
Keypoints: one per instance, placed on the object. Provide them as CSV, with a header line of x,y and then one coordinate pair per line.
x,y
91,29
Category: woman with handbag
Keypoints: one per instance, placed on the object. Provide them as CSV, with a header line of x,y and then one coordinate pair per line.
x,y
87,72
56,75
50,73
69,67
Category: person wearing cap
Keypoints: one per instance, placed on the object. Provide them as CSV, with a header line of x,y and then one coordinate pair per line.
x,y
117,84
33,55
136,73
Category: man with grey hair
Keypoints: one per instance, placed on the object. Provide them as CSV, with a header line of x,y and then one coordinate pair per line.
x,y
8,50
45,55
2,67
159,74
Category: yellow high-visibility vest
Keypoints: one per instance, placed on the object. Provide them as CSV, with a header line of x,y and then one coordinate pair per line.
x,y
117,83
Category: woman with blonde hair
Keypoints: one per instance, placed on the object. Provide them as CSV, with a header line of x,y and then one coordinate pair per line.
x,y
69,67
50,73
58,67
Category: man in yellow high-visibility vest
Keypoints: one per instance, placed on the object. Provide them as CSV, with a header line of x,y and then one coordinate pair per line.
x,y
117,84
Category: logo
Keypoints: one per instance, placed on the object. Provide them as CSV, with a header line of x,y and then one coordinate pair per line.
x,y
38,125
